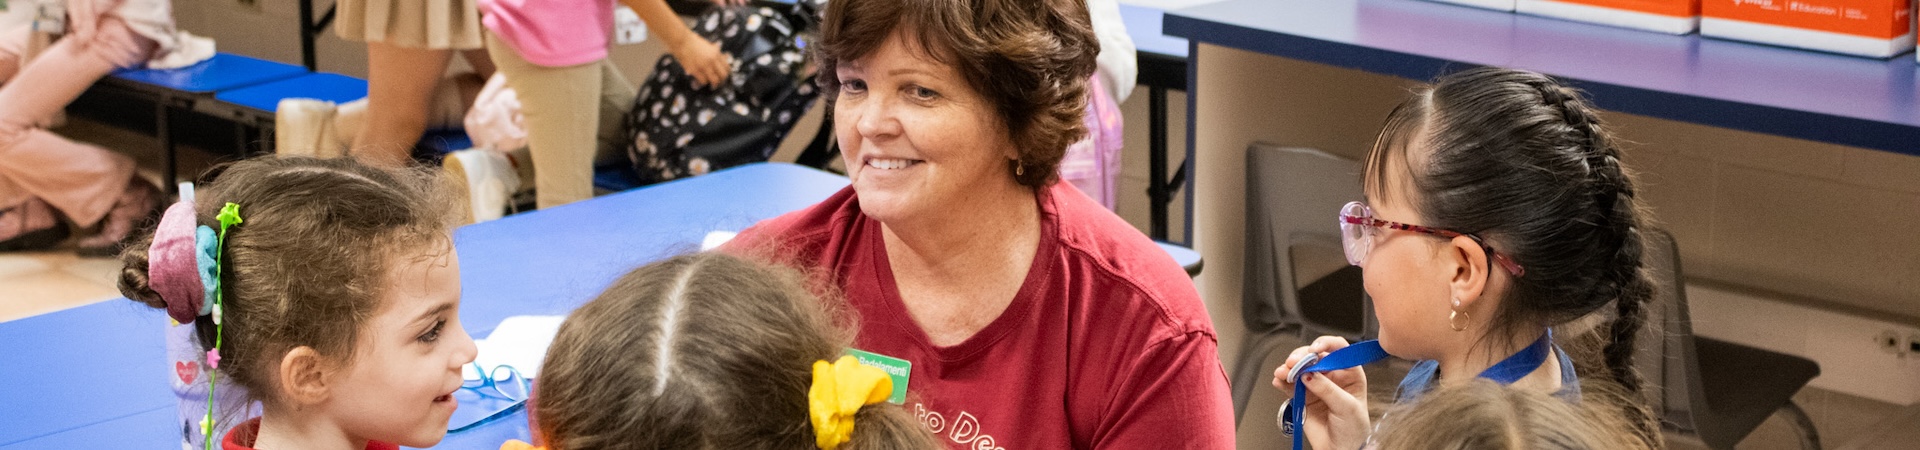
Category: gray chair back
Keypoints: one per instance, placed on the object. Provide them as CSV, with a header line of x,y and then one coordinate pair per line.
x,y
1294,197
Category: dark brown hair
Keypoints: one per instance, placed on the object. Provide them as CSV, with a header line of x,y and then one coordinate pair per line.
x,y
1484,415
1524,162
1031,59
700,351
307,264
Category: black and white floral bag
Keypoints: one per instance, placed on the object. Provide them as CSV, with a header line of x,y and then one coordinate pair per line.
x,y
676,130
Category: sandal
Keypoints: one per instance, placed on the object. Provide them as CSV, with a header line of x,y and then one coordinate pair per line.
x,y
138,206
29,226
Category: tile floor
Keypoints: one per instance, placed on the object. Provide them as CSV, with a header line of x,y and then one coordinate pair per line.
x,y
41,282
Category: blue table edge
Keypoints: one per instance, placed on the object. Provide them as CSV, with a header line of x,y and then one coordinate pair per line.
x,y
1778,121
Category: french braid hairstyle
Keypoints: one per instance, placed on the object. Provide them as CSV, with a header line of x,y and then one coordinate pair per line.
x,y
1525,162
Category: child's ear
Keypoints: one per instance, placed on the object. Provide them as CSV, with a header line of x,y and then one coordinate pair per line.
x,y
1470,270
303,376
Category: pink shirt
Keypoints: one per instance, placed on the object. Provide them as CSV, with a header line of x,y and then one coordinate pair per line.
x,y
552,33
1106,346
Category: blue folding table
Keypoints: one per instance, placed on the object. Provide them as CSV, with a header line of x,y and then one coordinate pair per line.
x,y
254,107
221,72
93,365
266,97
246,92
185,88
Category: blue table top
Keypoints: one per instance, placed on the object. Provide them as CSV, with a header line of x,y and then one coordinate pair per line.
x,y
1794,93
222,72
96,363
598,240
1143,25
150,429
331,87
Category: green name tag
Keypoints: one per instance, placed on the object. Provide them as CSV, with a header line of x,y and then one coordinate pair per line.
x,y
896,368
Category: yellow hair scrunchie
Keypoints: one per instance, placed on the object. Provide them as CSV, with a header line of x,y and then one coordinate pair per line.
x,y
839,390
516,444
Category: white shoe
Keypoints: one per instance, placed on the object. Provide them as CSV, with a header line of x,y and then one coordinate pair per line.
x,y
347,120
304,127
488,179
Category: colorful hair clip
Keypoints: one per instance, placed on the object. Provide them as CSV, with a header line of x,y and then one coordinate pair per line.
x,y
229,216
171,265
204,259
516,444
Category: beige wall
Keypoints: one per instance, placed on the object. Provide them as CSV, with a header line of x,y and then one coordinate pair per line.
x,y
1831,224
270,32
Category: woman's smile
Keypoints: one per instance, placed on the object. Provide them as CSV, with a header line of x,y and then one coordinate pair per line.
x,y
892,163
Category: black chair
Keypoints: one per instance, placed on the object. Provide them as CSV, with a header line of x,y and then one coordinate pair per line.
x,y
1716,389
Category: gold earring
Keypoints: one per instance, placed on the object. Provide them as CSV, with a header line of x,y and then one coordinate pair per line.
x,y
1019,170
1453,319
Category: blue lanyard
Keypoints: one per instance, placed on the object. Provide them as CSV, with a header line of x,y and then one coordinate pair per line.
x,y
1520,364
1346,358
1507,371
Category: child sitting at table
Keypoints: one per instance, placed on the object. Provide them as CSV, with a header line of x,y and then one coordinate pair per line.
x,y
330,290
711,351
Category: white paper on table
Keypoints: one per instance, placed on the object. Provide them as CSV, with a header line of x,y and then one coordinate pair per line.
x,y
715,239
519,341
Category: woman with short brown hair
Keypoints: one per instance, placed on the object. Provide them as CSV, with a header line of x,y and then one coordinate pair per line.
x,y
1024,314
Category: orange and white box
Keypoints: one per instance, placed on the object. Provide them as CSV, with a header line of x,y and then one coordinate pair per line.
x,y
1665,16
1496,5
1872,28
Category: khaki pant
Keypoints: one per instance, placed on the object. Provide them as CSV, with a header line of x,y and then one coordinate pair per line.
x,y
572,115
80,180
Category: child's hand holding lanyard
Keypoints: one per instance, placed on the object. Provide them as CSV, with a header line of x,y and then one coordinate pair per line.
x,y
1336,413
